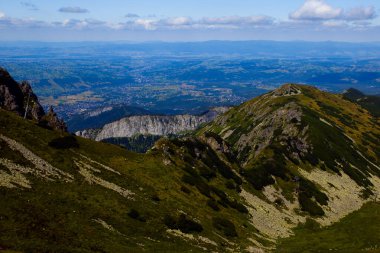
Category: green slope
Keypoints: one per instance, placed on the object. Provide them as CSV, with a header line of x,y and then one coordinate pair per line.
x,y
298,126
370,103
57,216
358,232
236,185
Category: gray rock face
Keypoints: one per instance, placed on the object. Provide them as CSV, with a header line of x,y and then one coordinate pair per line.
x,y
20,98
11,95
151,125
31,103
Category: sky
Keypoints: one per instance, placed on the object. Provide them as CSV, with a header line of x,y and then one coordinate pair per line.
x,y
189,20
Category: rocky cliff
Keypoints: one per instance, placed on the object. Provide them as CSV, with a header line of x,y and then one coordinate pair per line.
x,y
158,125
20,98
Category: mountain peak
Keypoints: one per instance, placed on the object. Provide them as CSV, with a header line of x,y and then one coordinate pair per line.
x,y
289,89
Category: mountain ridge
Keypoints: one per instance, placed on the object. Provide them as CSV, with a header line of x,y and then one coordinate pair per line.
x,y
369,102
239,184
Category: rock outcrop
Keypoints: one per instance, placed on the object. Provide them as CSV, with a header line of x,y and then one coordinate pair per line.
x,y
151,125
11,95
20,98
52,121
31,103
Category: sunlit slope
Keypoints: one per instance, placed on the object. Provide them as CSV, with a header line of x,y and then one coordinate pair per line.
x,y
66,194
239,184
302,143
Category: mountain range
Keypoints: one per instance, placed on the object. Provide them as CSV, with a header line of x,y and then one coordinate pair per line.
x,y
294,170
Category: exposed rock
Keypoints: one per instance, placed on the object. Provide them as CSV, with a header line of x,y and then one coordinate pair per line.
x,y
11,96
31,104
151,125
20,98
52,121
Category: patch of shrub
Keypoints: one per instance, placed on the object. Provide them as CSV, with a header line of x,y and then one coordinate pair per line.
x,y
213,204
182,223
64,142
225,226
309,190
279,202
366,193
206,173
134,214
259,177
230,185
155,197
188,179
238,206
185,189
308,205
202,187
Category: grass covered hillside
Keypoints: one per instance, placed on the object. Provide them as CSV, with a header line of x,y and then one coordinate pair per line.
x,y
369,102
61,193
242,183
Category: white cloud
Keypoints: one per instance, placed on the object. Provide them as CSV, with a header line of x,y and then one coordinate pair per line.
x,y
238,21
82,24
319,10
147,24
334,24
353,20
316,10
176,21
360,13
186,23
73,10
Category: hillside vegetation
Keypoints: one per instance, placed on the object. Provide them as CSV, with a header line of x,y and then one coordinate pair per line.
x,y
241,183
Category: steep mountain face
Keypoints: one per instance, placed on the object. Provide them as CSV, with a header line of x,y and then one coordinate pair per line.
x,y
16,97
20,98
155,125
99,117
292,156
371,103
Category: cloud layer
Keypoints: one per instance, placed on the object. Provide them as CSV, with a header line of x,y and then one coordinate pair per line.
x,y
313,17
320,10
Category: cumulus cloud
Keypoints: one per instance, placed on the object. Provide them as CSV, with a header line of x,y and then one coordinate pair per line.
x,y
73,10
361,13
82,24
316,10
29,6
320,10
2,15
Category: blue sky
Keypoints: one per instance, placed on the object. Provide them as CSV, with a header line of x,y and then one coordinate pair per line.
x,y
185,20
